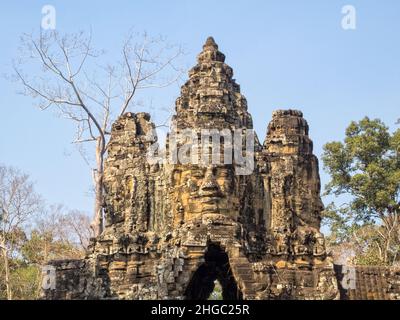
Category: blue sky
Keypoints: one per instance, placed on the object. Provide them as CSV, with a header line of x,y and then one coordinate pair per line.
x,y
285,54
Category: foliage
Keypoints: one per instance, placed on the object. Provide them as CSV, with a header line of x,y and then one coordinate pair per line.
x,y
216,294
26,282
365,168
31,235
34,251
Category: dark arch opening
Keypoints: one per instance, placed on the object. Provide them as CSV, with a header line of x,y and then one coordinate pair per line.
x,y
215,267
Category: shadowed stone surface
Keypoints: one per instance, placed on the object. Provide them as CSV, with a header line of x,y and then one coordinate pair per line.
x,y
172,230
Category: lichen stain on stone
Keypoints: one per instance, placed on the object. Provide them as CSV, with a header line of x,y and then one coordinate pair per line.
x,y
165,239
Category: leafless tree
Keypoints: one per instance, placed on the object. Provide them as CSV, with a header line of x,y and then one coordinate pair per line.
x,y
79,225
389,233
93,96
70,226
61,225
18,202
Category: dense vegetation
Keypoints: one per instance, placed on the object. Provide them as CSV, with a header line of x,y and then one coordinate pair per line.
x,y
31,234
365,182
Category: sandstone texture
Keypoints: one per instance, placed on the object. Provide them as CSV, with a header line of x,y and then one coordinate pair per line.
x,y
173,229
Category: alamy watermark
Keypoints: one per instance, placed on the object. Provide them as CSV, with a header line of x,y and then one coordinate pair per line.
x,y
48,278
349,278
48,17
205,147
349,19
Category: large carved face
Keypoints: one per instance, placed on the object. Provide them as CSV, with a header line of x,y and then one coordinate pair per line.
x,y
204,191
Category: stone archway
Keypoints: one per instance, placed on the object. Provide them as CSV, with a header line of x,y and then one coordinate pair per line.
x,y
215,268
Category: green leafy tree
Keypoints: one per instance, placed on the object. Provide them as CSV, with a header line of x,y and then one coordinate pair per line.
x,y
216,294
53,236
366,169
26,281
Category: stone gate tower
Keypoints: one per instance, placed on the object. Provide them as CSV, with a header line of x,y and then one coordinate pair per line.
x,y
173,228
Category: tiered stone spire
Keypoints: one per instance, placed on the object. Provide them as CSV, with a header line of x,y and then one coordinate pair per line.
x,y
211,98
210,52
288,133
173,229
293,171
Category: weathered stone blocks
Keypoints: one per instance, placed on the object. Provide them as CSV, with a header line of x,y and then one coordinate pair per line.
x,y
173,229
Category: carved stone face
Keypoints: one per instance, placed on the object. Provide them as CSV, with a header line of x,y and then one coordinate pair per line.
x,y
202,191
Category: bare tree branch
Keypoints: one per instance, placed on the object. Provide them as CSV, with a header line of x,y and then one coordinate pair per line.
x,y
18,202
93,102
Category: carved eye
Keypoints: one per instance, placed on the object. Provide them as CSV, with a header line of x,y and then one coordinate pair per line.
x,y
197,174
224,173
175,176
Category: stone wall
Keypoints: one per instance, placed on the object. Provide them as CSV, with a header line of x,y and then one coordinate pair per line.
x,y
368,282
172,229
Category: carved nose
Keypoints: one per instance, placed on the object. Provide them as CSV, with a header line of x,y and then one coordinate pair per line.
x,y
209,186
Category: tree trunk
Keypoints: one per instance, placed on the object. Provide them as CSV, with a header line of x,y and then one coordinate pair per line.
x,y
7,271
98,184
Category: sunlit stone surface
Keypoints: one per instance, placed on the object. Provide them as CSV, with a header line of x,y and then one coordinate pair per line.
x,y
172,230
